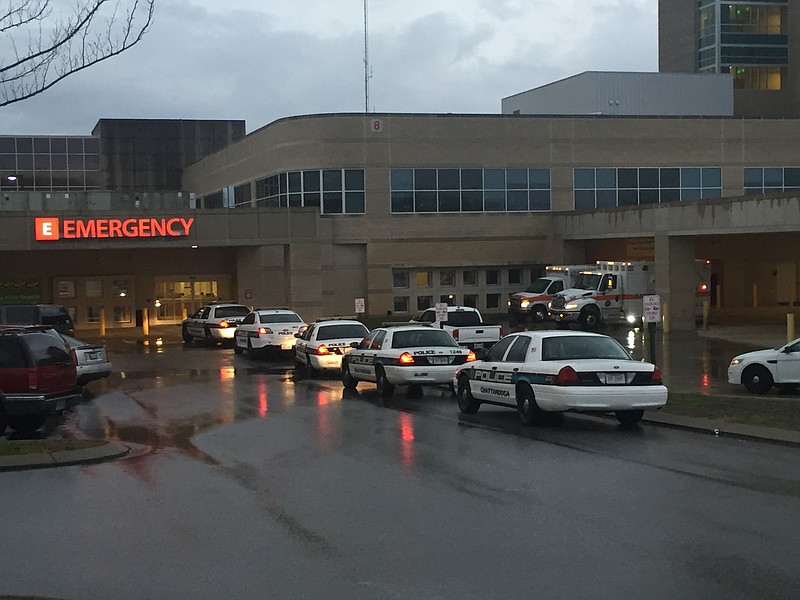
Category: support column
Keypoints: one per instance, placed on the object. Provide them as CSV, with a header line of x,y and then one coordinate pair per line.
x,y
675,279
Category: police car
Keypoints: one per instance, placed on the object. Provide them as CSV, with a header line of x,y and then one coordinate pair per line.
x,y
325,342
215,322
758,371
539,372
268,328
404,355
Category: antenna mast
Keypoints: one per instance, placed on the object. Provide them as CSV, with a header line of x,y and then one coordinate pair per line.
x,y
366,56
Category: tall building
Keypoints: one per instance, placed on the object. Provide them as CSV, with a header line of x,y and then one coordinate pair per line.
x,y
754,40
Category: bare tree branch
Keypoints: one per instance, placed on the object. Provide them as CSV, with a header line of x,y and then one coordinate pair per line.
x,y
49,46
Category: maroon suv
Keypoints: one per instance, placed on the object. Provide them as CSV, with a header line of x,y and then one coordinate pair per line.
x,y
37,377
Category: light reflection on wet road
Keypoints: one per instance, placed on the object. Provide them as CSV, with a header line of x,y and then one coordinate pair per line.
x,y
250,482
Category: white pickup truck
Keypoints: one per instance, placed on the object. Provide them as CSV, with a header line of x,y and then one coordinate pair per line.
x,y
466,326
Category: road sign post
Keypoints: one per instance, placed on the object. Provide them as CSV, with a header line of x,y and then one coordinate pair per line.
x,y
651,306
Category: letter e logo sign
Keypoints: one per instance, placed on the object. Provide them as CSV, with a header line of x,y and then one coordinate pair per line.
x,y
46,229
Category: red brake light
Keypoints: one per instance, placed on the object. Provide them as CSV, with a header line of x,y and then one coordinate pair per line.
x,y
405,359
33,379
655,378
454,333
471,356
323,349
264,330
567,376
223,324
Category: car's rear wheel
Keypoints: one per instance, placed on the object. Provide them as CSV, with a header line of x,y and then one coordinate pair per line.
x,y
629,418
3,421
467,403
385,388
26,424
236,348
250,350
757,379
529,411
310,370
185,335
348,381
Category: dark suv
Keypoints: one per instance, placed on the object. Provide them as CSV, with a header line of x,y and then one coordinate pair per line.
x,y
37,377
38,314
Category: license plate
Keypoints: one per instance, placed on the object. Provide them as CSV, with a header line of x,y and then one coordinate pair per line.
x,y
478,346
615,378
440,360
93,356
287,346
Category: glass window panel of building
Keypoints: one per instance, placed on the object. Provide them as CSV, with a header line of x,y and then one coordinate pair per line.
x,y
771,180
610,187
432,190
39,163
334,191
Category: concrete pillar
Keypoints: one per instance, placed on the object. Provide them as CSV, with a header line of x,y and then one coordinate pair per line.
x,y
675,281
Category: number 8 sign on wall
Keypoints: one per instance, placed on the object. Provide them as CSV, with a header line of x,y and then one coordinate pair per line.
x,y
377,126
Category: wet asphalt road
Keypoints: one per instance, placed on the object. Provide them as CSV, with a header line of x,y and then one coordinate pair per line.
x,y
248,483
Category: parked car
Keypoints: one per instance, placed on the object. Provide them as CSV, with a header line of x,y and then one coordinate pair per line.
x,y
268,328
54,315
38,376
404,355
466,325
215,322
325,342
758,371
92,360
540,372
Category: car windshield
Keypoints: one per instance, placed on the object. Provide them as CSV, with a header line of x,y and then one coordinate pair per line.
x,y
279,318
588,281
335,332
567,347
422,337
539,286
231,311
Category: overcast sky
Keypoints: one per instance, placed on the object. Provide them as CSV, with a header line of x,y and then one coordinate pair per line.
x,y
260,60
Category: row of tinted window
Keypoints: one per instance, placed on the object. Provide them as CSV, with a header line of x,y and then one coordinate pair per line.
x,y
48,145
469,190
55,181
611,187
765,180
334,191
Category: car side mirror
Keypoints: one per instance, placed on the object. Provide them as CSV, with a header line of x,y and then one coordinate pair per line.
x,y
355,344
298,335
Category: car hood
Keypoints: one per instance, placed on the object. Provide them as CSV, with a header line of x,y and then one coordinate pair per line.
x,y
758,355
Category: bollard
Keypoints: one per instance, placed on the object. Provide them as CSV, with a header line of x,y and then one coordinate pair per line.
x,y
706,311
719,296
665,316
789,327
184,314
102,321
755,295
146,321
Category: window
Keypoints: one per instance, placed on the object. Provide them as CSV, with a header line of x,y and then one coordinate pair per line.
x,y
424,302
492,300
94,288
65,288
447,278
470,278
471,300
449,299
428,190
122,314
400,279
493,277
519,350
514,276
401,304
424,279
767,180
499,349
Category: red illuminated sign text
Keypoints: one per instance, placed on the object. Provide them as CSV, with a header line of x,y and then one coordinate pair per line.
x,y
75,229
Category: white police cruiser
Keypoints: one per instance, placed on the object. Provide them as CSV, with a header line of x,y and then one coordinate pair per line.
x,y
404,355
268,329
325,342
556,371
215,322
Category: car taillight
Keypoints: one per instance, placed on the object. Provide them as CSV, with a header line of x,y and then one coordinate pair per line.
x,y
264,330
323,349
223,324
405,359
454,333
471,356
33,379
655,378
567,376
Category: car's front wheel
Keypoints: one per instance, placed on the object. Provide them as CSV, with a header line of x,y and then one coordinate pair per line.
x,y
385,388
529,411
467,403
757,379
348,381
629,418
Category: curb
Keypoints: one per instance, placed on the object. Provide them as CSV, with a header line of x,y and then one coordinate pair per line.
x,y
109,451
723,428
